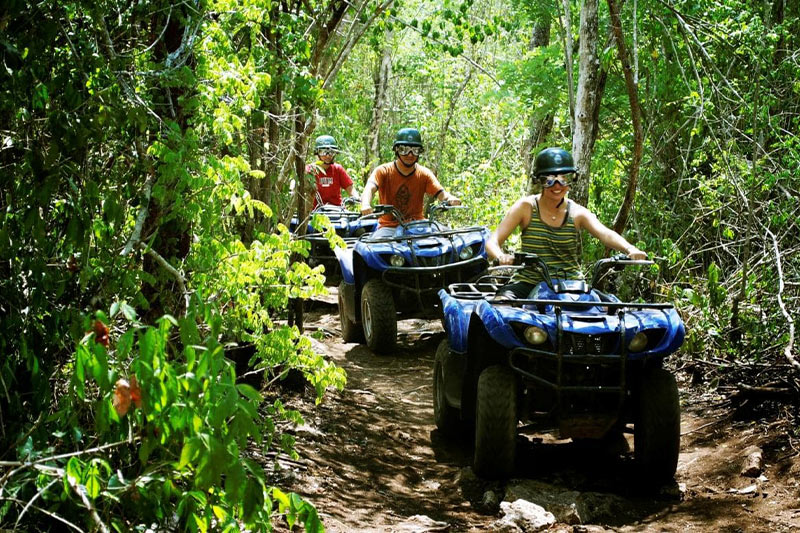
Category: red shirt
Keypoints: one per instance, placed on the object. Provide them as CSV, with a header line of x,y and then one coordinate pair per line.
x,y
406,193
330,183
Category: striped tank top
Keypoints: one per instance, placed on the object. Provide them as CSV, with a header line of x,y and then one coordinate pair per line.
x,y
556,246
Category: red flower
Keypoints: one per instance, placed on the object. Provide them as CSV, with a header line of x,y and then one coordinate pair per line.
x,y
100,332
122,397
136,392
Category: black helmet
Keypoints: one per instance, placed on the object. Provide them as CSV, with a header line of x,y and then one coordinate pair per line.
x,y
325,141
553,161
408,137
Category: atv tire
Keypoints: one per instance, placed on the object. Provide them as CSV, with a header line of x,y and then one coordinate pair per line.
x,y
351,332
496,423
657,427
447,418
378,316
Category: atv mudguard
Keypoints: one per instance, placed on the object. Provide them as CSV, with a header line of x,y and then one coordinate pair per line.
x,y
459,314
345,257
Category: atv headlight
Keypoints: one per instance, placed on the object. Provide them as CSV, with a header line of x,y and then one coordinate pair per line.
x,y
535,335
465,253
638,342
397,260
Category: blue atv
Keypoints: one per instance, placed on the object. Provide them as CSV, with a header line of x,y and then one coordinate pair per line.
x,y
569,358
349,225
399,276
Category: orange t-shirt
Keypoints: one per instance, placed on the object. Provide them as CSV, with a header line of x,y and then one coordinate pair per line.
x,y
406,193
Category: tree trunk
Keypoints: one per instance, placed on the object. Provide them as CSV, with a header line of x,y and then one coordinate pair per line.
x,y
568,58
621,220
173,238
269,162
587,102
301,131
320,59
539,125
383,72
451,108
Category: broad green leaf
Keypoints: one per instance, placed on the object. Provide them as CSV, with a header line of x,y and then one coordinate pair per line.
x,y
188,452
249,392
93,482
128,311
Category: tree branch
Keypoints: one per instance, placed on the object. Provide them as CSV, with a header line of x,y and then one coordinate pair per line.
x,y
787,351
351,42
136,236
169,268
463,56
621,220
81,492
568,61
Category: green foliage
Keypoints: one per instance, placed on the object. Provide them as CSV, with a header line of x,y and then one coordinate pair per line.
x,y
177,446
126,181
147,154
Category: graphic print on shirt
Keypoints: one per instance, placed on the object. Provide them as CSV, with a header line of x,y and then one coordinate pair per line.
x,y
326,181
402,199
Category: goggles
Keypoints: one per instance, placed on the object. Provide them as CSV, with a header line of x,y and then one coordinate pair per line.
x,y
327,151
403,149
549,181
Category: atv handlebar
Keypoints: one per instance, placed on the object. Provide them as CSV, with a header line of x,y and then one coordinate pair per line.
x,y
441,206
386,209
523,260
617,262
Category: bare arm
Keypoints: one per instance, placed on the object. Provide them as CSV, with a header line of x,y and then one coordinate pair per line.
x,y
444,196
351,191
516,216
585,219
366,196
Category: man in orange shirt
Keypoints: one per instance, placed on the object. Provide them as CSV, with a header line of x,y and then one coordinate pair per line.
x,y
403,183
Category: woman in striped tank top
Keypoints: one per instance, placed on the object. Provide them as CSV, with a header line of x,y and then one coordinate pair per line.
x,y
550,225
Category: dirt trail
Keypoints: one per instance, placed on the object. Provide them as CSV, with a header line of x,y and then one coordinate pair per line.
x,y
372,459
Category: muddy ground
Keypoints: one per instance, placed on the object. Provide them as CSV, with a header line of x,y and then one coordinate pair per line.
x,y
372,460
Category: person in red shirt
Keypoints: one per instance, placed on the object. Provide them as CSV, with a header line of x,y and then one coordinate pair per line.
x,y
331,177
403,183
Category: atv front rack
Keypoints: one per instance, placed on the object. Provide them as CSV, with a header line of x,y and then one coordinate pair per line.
x,y
321,238
445,233
431,279
487,290
611,305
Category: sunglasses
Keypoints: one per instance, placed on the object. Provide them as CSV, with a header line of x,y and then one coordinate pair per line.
x,y
549,181
405,150
327,151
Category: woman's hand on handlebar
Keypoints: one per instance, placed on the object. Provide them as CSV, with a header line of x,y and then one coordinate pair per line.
x,y
636,254
366,210
504,259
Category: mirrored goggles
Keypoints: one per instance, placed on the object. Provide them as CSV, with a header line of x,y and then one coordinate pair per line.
x,y
549,181
403,149
327,151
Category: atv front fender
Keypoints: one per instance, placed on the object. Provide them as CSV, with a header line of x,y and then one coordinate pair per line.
x,y
457,316
456,321
345,257
496,326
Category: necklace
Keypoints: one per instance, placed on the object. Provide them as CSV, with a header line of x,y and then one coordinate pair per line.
x,y
553,217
